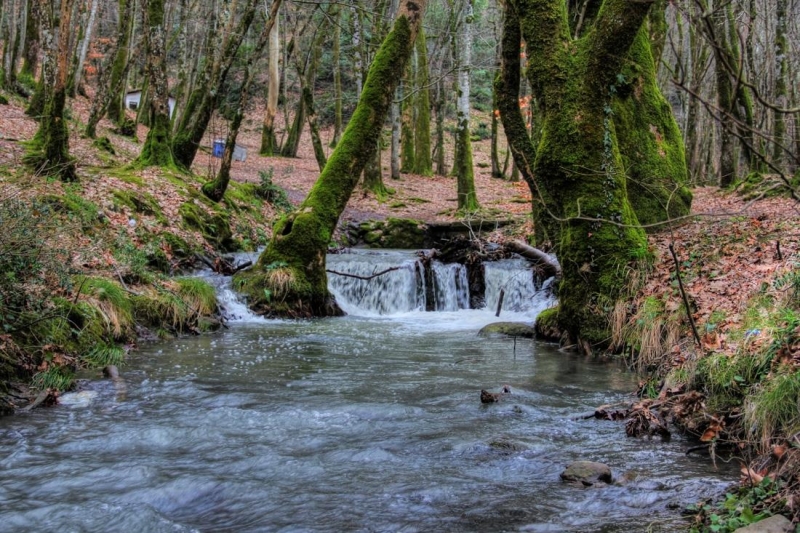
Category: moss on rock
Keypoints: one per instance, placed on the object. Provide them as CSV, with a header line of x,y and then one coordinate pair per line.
x,y
508,329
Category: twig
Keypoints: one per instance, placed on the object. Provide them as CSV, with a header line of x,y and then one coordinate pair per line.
x,y
500,306
365,278
683,294
778,247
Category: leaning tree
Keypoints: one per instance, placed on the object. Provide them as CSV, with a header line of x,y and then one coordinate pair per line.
x,y
586,85
290,278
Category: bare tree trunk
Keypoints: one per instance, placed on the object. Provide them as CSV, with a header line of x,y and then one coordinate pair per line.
x,y
337,78
781,94
462,165
84,49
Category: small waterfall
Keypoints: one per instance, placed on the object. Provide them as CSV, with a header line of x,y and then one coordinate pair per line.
x,y
515,278
397,291
401,288
232,307
451,289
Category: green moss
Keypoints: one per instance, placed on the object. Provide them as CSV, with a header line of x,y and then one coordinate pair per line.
x,y
650,141
104,143
214,226
140,202
3,100
546,325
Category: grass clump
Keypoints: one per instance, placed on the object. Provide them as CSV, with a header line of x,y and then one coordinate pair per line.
x,y
111,301
104,354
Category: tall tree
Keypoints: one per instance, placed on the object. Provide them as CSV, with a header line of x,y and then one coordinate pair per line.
x,y
290,277
48,153
215,190
578,171
268,141
462,161
206,95
156,150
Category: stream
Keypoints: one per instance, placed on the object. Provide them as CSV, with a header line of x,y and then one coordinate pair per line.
x,y
367,422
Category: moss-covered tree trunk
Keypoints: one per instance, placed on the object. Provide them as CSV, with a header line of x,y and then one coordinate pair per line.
x,y
109,86
578,167
423,164
156,150
269,143
119,67
290,278
48,152
30,48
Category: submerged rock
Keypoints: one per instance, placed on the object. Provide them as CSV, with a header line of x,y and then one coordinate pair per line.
x,y
77,399
509,329
587,473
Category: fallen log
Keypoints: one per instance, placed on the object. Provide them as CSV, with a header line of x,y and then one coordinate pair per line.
x,y
549,266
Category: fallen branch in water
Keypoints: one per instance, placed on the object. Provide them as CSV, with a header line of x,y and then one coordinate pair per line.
x,y
365,278
549,267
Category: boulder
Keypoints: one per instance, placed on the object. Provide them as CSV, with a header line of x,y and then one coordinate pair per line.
x,y
509,329
773,524
587,473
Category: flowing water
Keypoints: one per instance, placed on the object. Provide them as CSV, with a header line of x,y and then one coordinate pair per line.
x,y
368,422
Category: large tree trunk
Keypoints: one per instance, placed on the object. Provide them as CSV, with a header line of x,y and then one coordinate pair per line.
x,y
290,278
119,68
269,143
157,150
49,152
423,164
578,167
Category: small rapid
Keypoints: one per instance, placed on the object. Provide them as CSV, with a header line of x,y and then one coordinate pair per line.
x,y
367,422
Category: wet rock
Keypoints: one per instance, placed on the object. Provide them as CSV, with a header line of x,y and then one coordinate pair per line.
x,y
492,397
773,524
77,399
509,329
587,473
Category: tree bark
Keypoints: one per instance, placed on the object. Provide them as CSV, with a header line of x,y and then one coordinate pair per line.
x,y
462,161
290,277
84,49
119,67
157,150
269,144
49,152
578,166
423,164
30,50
